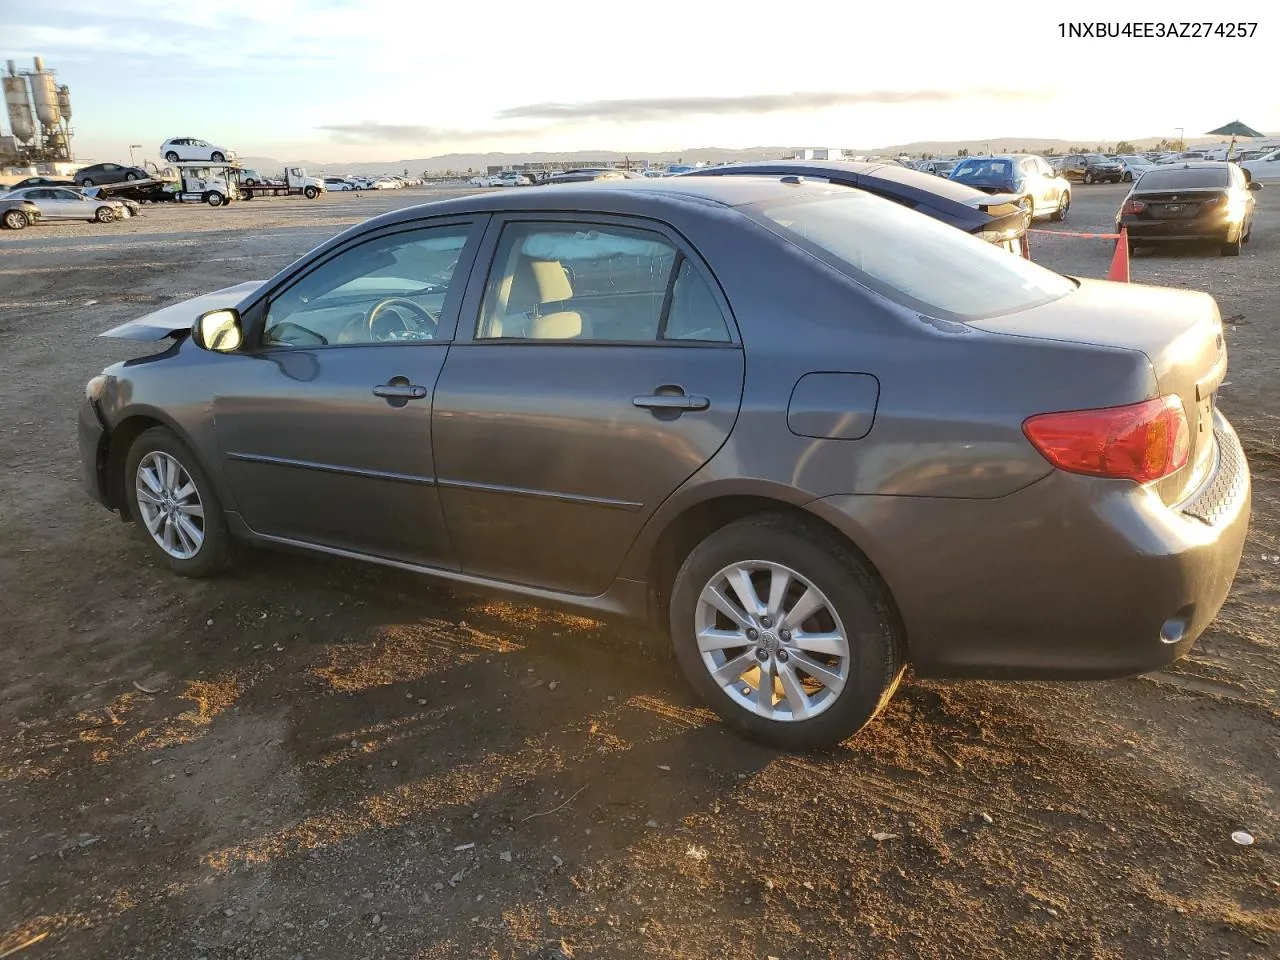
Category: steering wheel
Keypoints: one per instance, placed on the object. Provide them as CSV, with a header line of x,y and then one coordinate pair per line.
x,y
420,313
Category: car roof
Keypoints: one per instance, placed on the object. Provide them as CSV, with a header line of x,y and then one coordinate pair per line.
x,y
642,197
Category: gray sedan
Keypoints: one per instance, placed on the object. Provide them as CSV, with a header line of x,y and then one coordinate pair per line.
x,y
68,203
809,434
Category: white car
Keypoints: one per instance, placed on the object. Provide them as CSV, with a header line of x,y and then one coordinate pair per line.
x,y
64,203
1265,167
191,149
385,183
480,181
1134,166
338,183
511,178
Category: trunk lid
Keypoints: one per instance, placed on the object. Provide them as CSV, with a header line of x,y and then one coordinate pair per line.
x,y
1180,333
1179,204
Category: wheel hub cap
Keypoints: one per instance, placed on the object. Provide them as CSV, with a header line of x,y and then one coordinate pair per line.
x,y
772,641
170,505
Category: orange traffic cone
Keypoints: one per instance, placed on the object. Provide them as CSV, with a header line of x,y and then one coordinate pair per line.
x,y
1119,271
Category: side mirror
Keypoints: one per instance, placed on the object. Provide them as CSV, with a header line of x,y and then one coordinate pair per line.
x,y
1255,185
218,330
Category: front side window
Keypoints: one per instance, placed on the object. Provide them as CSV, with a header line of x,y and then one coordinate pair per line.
x,y
910,258
388,290
578,281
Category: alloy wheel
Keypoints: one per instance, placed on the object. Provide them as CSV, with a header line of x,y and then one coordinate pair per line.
x,y
772,641
170,505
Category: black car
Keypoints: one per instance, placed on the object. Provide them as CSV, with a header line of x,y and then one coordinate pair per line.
x,y
101,173
40,182
17,212
1198,200
1000,219
1092,168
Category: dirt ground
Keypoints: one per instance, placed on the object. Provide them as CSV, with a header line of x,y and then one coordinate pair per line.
x,y
315,759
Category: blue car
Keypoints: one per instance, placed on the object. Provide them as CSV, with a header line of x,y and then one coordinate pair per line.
x,y
1031,178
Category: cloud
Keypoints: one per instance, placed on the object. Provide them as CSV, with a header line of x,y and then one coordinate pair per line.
x,y
675,108
372,132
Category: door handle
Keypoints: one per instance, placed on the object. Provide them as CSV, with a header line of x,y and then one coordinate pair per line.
x,y
400,391
671,401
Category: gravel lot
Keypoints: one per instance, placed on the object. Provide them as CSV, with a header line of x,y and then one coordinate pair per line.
x,y
314,759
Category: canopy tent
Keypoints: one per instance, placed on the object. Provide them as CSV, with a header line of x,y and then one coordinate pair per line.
x,y
1233,130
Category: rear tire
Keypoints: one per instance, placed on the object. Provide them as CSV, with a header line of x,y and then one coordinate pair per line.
x,y
16,220
167,497
860,641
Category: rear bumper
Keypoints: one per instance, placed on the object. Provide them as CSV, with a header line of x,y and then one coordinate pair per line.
x,y
1070,578
92,439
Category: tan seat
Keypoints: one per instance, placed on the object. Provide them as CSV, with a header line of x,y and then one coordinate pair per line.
x,y
562,325
524,291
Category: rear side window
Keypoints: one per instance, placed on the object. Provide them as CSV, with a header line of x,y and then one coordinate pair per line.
x,y
913,259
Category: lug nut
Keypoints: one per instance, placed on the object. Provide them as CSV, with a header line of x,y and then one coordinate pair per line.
x,y
784,636
752,633
762,654
783,656
766,622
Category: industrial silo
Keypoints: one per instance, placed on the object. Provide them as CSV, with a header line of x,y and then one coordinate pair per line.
x,y
18,105
44,97
64,101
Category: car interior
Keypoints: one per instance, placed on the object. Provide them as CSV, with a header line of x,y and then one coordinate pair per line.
x,y
597,284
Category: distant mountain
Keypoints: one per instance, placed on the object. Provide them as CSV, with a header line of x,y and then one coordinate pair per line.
x,y
461,162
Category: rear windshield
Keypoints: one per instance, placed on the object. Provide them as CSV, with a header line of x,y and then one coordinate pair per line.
x,y
1184,179
913,259
982,168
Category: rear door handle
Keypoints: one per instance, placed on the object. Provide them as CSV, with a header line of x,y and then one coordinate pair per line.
x,y
400,391
671,401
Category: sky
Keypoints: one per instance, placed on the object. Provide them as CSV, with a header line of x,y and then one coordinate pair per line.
x,y
383,80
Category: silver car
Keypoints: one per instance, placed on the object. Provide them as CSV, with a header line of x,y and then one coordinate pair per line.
x,y
64,203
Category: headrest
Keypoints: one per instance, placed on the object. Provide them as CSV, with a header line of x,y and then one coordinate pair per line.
x,y
562,325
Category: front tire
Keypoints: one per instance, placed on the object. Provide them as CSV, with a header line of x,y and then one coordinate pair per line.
x,y
1232,249
213,198
1088,177
174,504
1064,204
171,156
1128,177
15,220
311,193
785,632
104,215
130,177
217,157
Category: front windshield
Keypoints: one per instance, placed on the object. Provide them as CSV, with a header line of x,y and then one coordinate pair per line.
x,y
911,258
982,169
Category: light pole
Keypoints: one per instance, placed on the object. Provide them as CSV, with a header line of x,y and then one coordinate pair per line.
x,y
133,146
1182,143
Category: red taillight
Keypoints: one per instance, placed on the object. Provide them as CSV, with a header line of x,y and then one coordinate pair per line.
x,y
1143,441
1133,207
